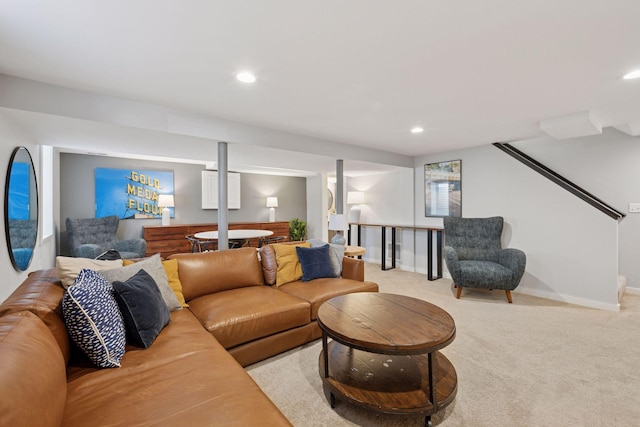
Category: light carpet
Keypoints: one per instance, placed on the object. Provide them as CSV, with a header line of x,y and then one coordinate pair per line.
x,y
535,362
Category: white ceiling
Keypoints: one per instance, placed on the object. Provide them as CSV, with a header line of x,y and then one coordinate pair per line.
x,y
360,72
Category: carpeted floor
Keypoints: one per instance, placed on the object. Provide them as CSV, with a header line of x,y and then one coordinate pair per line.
x,y
535,362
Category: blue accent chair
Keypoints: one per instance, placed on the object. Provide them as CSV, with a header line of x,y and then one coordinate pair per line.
x,y
475,258
89,237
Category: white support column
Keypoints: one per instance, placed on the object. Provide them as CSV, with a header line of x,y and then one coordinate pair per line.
x,y
339,187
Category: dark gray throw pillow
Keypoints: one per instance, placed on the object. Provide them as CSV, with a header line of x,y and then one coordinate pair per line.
x,y
144,312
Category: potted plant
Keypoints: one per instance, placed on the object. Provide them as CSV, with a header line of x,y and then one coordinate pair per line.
x,y
297,229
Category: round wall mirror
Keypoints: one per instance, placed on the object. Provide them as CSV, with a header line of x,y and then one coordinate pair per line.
x,y
21,208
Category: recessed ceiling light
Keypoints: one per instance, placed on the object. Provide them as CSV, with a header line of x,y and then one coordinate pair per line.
x,y
246,77
417,129
632,75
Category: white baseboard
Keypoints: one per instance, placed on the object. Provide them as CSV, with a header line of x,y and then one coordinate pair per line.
x,y
569,299
538,293
632,291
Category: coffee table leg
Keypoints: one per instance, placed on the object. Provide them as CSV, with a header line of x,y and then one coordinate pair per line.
x,y
325,353
432,383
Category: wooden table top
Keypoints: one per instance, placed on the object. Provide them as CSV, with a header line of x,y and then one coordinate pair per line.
x,y
354,250
234,234
386,323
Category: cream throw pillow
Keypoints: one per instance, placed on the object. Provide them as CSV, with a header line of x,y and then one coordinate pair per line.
x,y
68,268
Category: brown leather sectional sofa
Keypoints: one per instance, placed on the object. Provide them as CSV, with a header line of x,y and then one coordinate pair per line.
x,y
191,375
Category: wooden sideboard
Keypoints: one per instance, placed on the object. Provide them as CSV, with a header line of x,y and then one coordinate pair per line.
x,y
170,239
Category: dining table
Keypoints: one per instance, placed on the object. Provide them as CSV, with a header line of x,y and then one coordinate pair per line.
x,y
241,236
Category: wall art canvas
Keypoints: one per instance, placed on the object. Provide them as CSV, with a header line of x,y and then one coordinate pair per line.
x,y
131,193
443,189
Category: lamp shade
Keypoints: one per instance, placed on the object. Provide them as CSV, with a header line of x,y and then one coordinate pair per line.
x,y
338,222
272,202
355,197
165,201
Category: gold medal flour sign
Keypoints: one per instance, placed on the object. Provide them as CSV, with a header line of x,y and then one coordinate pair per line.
x,y
131,193
143,194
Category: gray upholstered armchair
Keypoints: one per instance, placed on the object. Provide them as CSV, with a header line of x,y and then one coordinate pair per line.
x,y
90,237
475,258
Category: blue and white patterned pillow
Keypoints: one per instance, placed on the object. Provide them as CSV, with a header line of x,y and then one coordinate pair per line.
x,y
93,319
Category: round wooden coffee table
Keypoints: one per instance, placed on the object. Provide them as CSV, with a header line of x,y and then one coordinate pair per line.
x,y
384,353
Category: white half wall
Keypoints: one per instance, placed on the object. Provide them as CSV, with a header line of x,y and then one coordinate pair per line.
x,y
571,247
44,253
389,201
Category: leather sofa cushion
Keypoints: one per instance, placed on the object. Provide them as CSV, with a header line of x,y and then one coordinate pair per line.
x,y
33,384
241,315
269,264
41,293
353,268
318,291
185,378
204,273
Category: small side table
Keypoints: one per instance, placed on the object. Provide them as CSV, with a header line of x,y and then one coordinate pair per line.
x,y
353,251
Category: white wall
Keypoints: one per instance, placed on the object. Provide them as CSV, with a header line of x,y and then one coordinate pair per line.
x,y
607,166
389,201
317,207
44,254
571,247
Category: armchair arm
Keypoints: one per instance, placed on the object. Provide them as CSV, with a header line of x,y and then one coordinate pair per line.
x,y
453,263
138,246
88,250
353,268
515,260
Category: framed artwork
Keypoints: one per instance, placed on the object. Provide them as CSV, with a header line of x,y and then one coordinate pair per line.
x,y
131,193
442,189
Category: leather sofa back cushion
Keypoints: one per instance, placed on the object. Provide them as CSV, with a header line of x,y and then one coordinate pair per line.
x,y
203,273
34,382
269,264
41,293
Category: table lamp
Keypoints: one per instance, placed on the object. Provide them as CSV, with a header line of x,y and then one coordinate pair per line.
x,y
165,201
338,223
272,204
355,198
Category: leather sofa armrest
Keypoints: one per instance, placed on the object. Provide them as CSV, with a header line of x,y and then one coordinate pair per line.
x,y
353,268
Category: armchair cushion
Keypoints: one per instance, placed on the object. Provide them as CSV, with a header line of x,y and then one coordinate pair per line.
x,y
483,274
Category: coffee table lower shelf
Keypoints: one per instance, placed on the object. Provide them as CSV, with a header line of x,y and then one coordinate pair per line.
x,y
396,384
